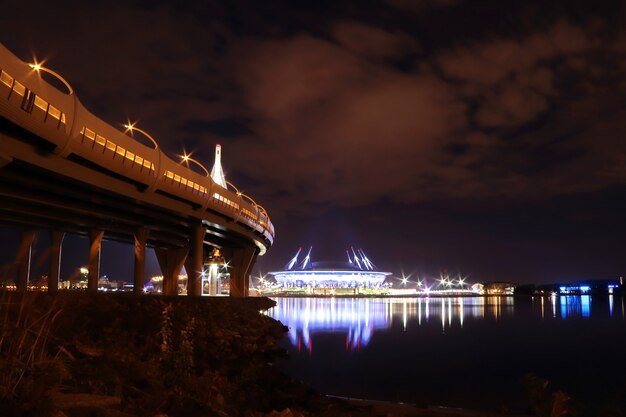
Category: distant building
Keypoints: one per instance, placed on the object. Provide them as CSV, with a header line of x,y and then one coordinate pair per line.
x,y
598,286
586,287
155,285
499,288
478,288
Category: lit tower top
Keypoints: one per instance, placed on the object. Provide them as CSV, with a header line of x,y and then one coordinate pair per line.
x,y
217,173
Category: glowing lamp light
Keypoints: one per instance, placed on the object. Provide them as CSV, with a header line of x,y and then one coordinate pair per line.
x,y
216,258
214,262
130,127
187,158
36,66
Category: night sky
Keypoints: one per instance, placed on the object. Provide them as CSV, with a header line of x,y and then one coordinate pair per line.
x,y
486,138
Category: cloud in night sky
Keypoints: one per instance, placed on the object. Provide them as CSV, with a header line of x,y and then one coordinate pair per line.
x,y
331,119
339,107
369,41
455,126
361,130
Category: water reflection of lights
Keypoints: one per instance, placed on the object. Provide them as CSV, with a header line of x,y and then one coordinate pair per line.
x,y
572,305
569,306
358,318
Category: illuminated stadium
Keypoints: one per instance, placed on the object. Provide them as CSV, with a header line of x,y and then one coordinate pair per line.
x,y
357,271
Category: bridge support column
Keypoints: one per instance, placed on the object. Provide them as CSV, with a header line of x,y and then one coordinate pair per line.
x,y
241,262
24,254
195,261
171,262
95,248
141,236
56,244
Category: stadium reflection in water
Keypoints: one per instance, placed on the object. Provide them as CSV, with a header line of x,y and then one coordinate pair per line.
x,y
359,318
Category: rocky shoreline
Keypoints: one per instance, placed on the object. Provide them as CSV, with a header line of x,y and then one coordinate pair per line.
x,y
79,355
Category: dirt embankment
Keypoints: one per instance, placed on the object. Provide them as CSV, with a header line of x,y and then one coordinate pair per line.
x,y
103,355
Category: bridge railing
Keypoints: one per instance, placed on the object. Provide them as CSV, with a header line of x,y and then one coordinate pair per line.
x,y
29,101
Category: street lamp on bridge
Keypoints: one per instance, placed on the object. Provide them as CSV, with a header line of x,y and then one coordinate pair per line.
x,y
187,158
38,67
130,127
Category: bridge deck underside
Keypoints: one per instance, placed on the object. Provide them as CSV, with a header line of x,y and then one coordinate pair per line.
x,y
47,201
44,191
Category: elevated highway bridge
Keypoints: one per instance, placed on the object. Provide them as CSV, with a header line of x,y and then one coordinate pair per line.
x,y
64,170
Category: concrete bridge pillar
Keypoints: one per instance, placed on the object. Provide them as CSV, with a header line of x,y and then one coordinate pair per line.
x,y
22,258
171,262
95,248
241,262
195,261
141,236
56,244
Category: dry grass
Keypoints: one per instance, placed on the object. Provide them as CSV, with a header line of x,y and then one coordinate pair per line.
x,y
26,347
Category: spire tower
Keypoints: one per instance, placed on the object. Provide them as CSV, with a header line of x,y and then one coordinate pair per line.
x,y
217,174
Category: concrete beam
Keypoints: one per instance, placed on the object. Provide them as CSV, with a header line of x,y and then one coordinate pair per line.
x,y
95,248
56,244
171,262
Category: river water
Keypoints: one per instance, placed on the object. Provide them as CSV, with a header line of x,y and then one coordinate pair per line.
x,y
470,352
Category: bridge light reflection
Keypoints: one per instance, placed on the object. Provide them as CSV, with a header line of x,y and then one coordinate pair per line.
x,y
36,66
130,127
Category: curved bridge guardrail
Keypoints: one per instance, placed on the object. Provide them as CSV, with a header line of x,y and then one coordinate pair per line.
x,y
69,128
